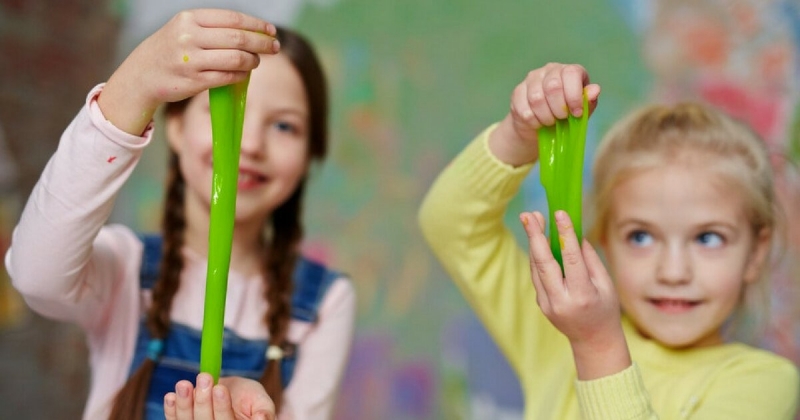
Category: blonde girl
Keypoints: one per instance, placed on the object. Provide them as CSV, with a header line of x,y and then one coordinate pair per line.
x,y
685,216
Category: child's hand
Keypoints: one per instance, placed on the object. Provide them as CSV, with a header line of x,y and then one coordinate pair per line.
x,y
583,305
548,93
233,398
194,51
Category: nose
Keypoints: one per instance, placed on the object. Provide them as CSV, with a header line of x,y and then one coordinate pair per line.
x,y
674,265
253,140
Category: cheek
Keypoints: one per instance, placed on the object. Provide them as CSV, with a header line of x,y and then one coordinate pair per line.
x,y
291,159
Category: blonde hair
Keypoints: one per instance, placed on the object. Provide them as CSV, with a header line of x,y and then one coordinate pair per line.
x,y
692,132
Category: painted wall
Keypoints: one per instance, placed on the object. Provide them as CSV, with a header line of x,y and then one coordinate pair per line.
x,y
413,81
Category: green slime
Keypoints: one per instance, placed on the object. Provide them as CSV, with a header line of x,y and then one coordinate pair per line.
x,y
561,149
227,104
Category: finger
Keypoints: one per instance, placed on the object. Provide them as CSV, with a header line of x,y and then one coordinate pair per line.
x,y
218,18
577,277
592,94
223,409
170,411
541,294
203,407
553,86
597,271
221,60
574,78
263,408
537,102
184,405
225,38
521,108
543,262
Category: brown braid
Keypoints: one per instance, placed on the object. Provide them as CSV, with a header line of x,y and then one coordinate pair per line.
x,y
286,226
130,400
282,253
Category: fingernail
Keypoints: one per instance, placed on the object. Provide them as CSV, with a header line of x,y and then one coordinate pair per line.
x,y
276,45
170,402
561,216
203,382
577,112
183,390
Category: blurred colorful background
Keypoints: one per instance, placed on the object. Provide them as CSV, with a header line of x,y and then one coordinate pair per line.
x,y
412,82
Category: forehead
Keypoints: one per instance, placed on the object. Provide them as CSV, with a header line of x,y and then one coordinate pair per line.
x,y
274,85
277,76
678,194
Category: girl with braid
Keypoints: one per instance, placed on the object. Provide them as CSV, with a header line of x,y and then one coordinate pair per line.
x,y
139,298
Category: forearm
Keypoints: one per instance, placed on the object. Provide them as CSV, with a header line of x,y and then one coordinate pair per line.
x,y
462,219
52,243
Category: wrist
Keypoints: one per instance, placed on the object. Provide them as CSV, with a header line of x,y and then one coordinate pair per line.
x,y
508,146
126,105
598,358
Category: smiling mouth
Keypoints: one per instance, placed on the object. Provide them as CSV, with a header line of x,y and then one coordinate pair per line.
x,y
674,305
247,180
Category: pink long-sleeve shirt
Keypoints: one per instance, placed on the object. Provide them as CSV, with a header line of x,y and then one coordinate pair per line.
x,y
71,266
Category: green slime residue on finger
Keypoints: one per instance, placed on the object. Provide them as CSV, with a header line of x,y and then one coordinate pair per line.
x,y
227,104
561,149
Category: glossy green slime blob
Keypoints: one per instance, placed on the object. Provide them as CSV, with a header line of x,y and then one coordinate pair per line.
x,y
561,149
227,104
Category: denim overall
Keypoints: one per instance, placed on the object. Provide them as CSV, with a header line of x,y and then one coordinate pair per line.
x,y
178,357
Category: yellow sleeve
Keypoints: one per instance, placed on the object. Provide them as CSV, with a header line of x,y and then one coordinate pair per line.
x,y
618,396
462,220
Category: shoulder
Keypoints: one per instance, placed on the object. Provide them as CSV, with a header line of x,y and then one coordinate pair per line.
x,y
319,290
761,372
744,358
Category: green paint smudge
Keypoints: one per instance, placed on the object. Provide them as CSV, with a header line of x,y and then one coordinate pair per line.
x,y
561,149
227,104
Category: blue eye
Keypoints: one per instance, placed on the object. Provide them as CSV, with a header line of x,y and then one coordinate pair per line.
x,y
710,239
640,238
285,127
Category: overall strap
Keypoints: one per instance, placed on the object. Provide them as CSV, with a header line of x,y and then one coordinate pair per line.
x,y
151,259
311,279
311,282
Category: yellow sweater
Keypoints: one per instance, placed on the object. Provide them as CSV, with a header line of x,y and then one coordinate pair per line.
x,y
462,220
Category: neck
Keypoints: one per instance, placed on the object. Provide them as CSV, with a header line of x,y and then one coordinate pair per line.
x,y
246,247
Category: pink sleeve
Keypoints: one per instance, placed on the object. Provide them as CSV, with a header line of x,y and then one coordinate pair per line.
x,y
323,356
57,260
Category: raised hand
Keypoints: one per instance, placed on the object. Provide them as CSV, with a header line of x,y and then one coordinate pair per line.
x,y
233,398
194,51
547,94
582,303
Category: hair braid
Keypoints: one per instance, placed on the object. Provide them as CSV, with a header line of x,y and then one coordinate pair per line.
x,y
130,400
283,249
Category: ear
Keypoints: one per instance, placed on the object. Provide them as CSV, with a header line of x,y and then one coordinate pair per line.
x,y
759,255
174,131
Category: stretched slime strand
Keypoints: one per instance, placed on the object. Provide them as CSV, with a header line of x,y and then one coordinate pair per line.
x,y
227,104
561,149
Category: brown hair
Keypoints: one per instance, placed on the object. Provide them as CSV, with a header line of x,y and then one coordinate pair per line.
x,y
285,233
661,134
